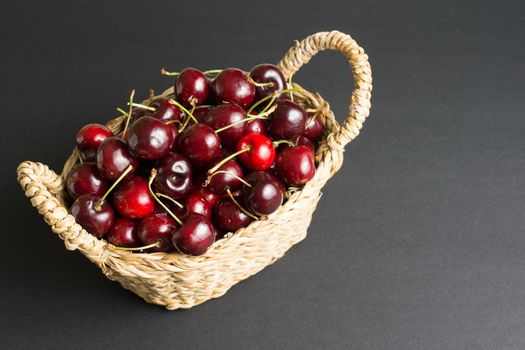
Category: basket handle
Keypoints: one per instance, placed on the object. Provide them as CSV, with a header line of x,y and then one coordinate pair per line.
x,y
44,188
359,108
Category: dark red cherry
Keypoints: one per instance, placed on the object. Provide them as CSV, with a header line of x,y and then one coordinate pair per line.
x,y
229,216
92,135
113,158
267,73
287,121
303,141
265,193
124,234
314,128
174,176
195,236
209,196
200,143
260,154
201,113
88,154
295,165
226,176
197,204
191,87
85,178
94,216
149,138
157,228
227,115
165,111
257,126
176,136
232,85
132,198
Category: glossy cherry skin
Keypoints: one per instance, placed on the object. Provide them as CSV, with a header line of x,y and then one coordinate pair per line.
x,y
295,165
219,181
225,115
201,113
229,216
314,128
96,220
195,236
303,141
149,138
165,111
265,193
191,87
197,204
176,136
261,152
88,154
132,198
200,143
85,178
157,228
124,233
174,175
267,73
92,135
257,126
287,121
209,196
113,158
232,85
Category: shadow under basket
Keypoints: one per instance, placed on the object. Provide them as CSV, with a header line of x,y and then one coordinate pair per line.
x,y
177,281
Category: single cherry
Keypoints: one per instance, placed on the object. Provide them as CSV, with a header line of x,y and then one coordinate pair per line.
x,y
157,228
94,214
174,175
124,234
228,175
229,216
287,120
257,126
314,128
195,236
85,178
232,85
228,121
132,198
295,165
258,152
267,73
197,204
264,194
200,143
165,111
149,138
191,87
92,135
113,158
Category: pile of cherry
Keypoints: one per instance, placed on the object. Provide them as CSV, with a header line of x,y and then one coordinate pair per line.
x,y
186,170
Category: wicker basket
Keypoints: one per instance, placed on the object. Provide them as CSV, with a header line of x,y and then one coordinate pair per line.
x,y
181,281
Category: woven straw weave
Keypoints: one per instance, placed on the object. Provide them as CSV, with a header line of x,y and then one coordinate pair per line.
x,y
181,281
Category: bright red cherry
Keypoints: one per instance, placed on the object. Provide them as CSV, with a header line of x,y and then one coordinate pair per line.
x,y
84,178
295,165
314,128
113,158
94,215
260,152
149,138
191,87
195,236
132,198
197,204
92,135
257,126
157,228
165,111
287,120
232,85
124,234
227,121
267,73
265,193
229,216
174,176
200,143
225,176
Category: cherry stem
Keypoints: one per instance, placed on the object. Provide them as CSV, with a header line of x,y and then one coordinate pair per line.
x,y
290,86
151,178
152,245
249,119
140,105
203,106
240,206
163,71
212,71
80,159
184,109
270,97
277,143
151,95
112,187
250,79
311,120
266,111
161,195
130,110
208,179
230,157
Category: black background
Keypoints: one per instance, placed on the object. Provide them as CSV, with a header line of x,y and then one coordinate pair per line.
x,y
417,243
